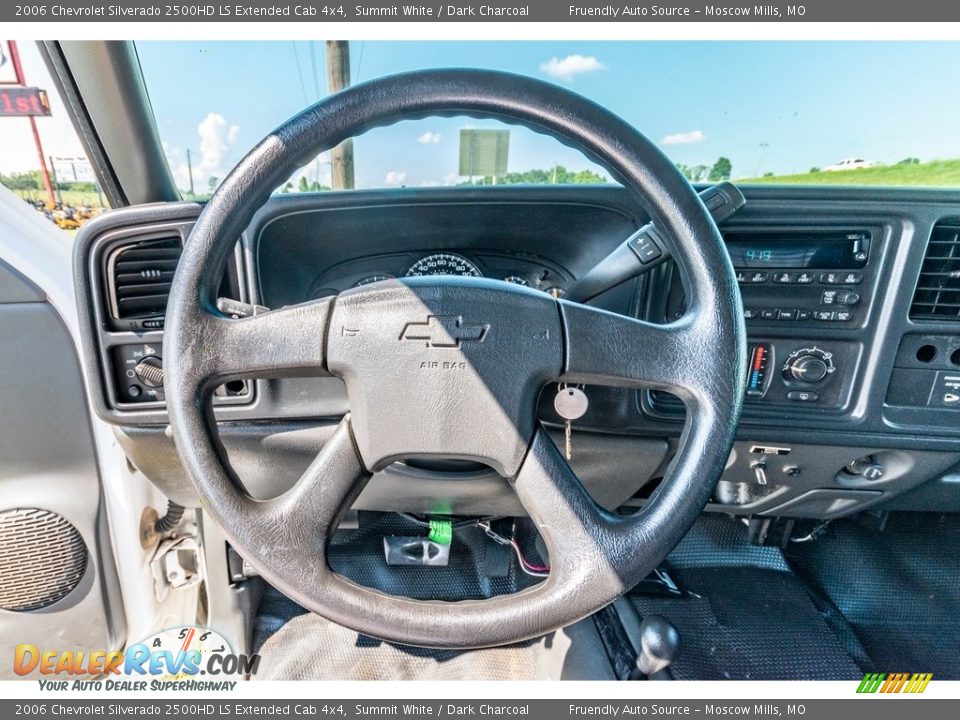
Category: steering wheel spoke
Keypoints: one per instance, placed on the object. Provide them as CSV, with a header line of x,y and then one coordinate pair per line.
x,y
287,342
604,348
308,512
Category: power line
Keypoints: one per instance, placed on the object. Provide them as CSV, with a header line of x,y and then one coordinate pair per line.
x,y
303,85
313,62
356,75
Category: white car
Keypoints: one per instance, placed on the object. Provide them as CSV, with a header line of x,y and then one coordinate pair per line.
x,y
850,164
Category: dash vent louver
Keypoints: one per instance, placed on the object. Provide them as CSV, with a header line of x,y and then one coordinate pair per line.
x,y
140,275
937,295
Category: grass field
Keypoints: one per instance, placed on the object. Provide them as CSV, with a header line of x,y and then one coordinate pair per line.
x,y
937,173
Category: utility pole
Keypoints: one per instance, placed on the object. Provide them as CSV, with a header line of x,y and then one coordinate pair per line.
x,y
338,77
18,70
190,172
56,182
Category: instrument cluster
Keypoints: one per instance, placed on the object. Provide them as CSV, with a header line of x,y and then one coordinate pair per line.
x,y
526,271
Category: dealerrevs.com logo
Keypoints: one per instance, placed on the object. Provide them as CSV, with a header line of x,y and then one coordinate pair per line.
x,y
892,683
174,659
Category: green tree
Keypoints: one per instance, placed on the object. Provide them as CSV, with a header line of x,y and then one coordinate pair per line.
x,y
693,173
721,170
304,185
22,181
556,175
814,169
212,183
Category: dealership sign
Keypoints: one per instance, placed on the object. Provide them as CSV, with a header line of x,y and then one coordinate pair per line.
x,y
23,101
8,71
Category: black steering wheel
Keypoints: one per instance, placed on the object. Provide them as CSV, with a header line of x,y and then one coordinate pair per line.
x,y
453,367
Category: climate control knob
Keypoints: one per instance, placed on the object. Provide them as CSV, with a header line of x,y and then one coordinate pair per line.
x,y
809,365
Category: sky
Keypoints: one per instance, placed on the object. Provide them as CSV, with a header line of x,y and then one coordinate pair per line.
x,y
778,107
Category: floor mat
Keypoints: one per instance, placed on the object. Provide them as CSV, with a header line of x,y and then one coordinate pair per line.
x,y
749,624
297,645
308,647
898,587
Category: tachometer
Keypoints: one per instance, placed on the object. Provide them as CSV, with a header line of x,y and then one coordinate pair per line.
x,y
444,264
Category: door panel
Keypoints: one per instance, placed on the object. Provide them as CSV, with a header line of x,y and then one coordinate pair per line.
x,y
57,583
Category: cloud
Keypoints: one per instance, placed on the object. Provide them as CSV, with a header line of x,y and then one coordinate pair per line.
x,y
429,138
687,138
217,141
395,177
430,183
216,137
568,68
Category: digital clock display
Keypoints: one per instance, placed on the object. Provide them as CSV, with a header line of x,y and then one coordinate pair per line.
x,y
835,251
759,256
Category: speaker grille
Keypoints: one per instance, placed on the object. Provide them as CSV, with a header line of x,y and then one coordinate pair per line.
x,y
42,558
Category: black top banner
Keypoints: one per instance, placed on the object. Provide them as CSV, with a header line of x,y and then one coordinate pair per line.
x,y
468,11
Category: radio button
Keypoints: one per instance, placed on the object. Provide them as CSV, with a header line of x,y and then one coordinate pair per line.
x,y
852,278
769,314
805,278
749,313
829,297
802,396
787,314
843,316
804,314
830,278
825,315
784,278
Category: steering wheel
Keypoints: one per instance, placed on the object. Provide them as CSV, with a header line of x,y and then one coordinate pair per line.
x,y
452,367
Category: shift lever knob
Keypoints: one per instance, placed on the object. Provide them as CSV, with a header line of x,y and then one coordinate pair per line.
x,y
659,642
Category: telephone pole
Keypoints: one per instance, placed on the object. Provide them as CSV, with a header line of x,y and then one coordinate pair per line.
x,y
44,173
190,172
338,77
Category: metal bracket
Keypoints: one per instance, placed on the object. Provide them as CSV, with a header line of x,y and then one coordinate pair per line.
x,y
177,564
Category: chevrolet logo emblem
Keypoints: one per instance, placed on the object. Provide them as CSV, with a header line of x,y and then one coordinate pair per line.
x,y
444,331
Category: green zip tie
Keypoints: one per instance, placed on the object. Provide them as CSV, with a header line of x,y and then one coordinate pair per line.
x,y
441,532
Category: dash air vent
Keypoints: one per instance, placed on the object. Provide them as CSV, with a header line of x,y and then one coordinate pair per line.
x,y
139,276
937,296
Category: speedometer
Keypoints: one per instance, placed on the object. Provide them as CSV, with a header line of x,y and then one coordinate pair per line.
x,y
444,264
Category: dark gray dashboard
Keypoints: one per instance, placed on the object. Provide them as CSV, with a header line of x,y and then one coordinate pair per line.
x,y
884,402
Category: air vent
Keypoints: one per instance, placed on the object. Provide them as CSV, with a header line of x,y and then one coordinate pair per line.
x,y
140,275
937,296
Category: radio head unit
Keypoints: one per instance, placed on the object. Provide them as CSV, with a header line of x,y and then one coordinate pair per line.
x,y
796,275
808,250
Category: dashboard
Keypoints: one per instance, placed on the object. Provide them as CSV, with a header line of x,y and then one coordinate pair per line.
x,y
851,299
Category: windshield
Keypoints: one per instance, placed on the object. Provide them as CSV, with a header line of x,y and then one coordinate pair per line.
x,y
756,112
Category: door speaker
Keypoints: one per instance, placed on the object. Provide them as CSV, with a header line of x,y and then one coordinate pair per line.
x,y
42,558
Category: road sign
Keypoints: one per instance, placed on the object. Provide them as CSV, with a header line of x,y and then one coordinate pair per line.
x,y
23,102
483,153
72,169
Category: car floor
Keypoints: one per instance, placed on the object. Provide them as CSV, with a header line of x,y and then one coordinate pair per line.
x,y
855,599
